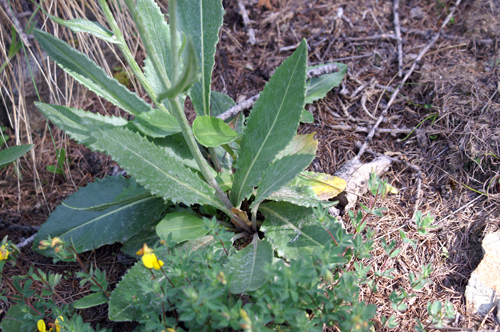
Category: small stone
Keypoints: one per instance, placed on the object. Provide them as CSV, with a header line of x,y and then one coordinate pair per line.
x,y
417,12
249,66
483,290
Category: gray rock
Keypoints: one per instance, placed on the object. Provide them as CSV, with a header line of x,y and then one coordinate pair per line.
x,y
417,12
483,290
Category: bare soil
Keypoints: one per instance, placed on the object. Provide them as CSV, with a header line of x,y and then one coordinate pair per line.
x,y
451,99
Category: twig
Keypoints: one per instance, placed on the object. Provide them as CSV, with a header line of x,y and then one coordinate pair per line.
x,y
315,72
27,241
396,92
458,210
14,19
397,27
246,23
375,37
427,35
418,195
361,129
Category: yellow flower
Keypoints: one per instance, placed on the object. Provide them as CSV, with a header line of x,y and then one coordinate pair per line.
x,y
4,253
41,326
56,241
144,250
150,261
56,323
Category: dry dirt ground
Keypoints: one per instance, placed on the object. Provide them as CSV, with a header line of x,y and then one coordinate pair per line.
x,y
451,99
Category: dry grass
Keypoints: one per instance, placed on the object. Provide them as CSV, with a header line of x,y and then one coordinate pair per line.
x,y
457,81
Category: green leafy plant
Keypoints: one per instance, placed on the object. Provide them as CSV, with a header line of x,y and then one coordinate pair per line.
x,y
59,167
197,194
234,170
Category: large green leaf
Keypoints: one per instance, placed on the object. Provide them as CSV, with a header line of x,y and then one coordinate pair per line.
x,y
302,196
79,124
219,103
293,230
133,193
128,297
272,123
300,144
85,71
182,225
211,131
159,32
176,146
91,300
246,268
318,87
91,229
11,154
82,25
202,19
280,173
161,174
292,160
157,123
324,185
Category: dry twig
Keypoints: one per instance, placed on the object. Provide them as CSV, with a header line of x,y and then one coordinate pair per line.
x,y
397,27
396,92
246,22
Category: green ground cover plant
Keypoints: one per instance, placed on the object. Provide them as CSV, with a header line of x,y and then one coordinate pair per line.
x,y
212,210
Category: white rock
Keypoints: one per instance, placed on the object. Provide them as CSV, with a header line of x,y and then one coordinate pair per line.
x,y
483,290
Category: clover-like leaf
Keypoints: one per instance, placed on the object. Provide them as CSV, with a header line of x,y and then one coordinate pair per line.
x,y
211,132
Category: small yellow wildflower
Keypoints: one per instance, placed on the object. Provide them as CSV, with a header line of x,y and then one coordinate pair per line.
x,y
4,253
150,261
44,244
56,323
56,241
144,250
41,326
